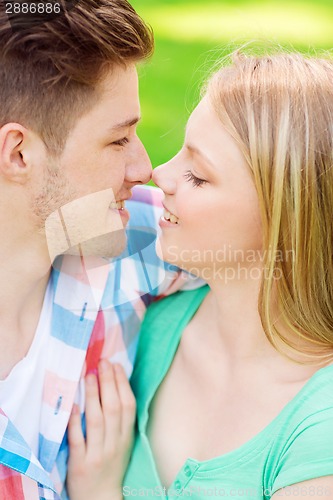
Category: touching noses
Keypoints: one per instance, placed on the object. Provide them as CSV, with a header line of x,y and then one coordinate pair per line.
x,y
138,169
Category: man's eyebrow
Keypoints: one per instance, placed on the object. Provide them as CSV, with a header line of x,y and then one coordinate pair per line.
x,y
197,151
126,123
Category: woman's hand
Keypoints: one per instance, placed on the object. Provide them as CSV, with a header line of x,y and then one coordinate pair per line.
x,y
98,463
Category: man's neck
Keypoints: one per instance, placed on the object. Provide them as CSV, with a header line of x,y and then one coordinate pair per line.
x,y
24,275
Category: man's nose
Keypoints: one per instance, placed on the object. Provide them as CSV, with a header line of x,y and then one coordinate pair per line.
x,y
138,169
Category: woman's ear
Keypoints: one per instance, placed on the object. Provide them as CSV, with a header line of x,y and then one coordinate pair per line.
x,y
12,159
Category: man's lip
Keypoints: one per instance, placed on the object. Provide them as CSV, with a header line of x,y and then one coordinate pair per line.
x,y
124,198
124,213
120,200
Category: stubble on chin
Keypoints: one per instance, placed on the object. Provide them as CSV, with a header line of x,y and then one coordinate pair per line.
x,y
69,223
54,193
107,246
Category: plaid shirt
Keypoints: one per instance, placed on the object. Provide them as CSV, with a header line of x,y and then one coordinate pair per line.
x,y
98,307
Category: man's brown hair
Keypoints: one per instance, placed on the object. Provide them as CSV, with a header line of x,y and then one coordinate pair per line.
x,y
49,70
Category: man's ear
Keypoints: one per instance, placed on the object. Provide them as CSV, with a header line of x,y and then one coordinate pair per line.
x,y
12,161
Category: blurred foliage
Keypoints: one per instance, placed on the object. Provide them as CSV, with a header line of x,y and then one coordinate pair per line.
x,y
190,35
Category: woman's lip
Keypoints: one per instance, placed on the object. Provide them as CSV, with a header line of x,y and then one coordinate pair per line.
x,y
167,210
163,223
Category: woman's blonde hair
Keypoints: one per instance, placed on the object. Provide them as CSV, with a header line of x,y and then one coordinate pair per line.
x,y
279,109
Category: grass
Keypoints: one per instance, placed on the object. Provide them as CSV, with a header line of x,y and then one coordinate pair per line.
x,y
191,34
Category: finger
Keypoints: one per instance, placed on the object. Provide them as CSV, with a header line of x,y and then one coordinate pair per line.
x,y
75,436
127,400
110,402
94,417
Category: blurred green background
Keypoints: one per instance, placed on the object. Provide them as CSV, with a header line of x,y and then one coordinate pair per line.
x,y
191,34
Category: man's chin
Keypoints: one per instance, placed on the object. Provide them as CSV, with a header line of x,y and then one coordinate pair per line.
x,y
107,246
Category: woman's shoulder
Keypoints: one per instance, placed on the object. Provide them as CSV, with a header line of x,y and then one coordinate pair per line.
x,y
317,393
315,397
311,411
173,308
165,320
159,337
304,443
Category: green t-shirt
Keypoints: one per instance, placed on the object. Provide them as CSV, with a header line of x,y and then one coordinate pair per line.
x,y
296,446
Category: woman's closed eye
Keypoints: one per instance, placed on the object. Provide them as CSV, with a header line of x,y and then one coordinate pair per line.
x,y
195,180
121,142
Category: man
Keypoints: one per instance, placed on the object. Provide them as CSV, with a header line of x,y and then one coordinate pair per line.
x,y
69,159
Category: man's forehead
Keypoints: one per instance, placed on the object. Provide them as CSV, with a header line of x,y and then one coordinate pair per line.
x,y
119,80
117,103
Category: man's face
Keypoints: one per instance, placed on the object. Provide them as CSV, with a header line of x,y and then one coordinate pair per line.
x,y
81,198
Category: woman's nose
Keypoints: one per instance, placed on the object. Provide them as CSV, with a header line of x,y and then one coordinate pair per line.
x,y
165,177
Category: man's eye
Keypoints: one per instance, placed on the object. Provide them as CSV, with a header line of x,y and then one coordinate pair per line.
x,y
192,178
120,142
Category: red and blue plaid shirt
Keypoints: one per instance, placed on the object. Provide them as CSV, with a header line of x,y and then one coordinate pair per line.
x,y
98,307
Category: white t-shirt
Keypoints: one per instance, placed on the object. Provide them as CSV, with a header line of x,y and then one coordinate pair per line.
x,y
21,392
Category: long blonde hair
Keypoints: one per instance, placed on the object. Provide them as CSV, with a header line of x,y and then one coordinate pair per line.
x,y
279,109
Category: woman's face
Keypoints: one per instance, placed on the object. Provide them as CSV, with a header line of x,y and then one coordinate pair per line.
x,y
209,192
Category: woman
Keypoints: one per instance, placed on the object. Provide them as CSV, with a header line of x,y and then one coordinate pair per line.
x,y
234,381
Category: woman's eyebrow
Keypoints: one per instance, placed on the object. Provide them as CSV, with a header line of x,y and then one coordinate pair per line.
x,y
195,150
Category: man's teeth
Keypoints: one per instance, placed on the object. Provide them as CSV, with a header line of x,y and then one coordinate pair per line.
x,y
172,218
118,205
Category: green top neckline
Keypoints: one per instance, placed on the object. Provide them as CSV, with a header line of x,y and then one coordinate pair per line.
x,y
178,320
